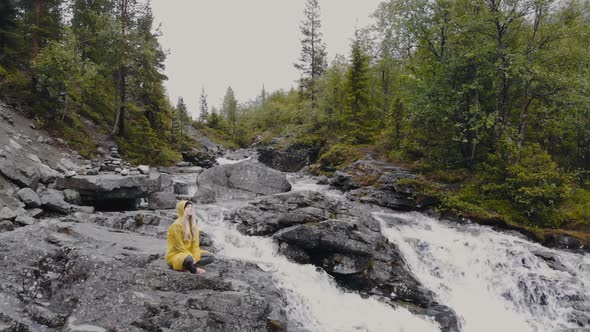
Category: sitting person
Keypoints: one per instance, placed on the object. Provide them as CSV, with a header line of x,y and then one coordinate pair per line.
x,y
183,253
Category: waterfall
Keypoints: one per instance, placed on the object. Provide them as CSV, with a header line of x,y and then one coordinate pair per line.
x,y
314,301
494,281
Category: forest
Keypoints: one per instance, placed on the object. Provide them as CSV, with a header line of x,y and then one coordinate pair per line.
x,y
486,99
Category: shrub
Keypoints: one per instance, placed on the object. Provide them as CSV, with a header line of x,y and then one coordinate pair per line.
x,y
336,156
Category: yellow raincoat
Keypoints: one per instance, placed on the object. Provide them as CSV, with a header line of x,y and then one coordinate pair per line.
x,y
179,249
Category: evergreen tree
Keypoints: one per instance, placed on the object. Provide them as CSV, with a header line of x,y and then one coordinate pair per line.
x,y
358,88
204,108
312,62
230,109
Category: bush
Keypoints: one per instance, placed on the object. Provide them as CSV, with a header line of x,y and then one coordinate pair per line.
x,y
531,180
336,156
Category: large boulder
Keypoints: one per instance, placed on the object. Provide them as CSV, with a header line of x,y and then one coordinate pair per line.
x,y
78,276
27,170
202,158
242,180
114,192
291,158
29,197
54,200
161,201
268,214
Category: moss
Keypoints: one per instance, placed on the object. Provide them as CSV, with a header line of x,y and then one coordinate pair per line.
x,y
337,156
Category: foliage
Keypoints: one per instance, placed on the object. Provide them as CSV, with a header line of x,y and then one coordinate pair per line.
x,y
336,156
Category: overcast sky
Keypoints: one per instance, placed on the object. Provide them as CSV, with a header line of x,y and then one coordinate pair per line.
x,y
245,44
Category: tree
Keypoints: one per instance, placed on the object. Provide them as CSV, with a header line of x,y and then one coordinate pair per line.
x,y
204,108
230,109
312,61
182,116
358,88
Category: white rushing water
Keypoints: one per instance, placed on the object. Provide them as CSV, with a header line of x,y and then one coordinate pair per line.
x,y
314,301
494,281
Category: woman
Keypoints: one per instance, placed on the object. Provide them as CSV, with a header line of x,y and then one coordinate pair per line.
x,y
183,253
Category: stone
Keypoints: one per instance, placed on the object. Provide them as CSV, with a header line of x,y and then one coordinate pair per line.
x,y
23,172
161,201
118,170
54,200
323,180
72,196
7,213
243,180
83,209
204,196
35,213
125,172
110,190
6,226
291,158
25,220
134,173
92,171
70,174
29,197
144,169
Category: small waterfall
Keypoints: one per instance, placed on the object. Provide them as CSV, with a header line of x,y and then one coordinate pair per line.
x,y
314,301
494,281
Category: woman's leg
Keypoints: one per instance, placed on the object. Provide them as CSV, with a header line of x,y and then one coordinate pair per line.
x,y
189,264
206,258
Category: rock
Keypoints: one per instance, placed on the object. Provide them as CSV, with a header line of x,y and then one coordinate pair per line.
x,y
118,170
204,196
291,158
7,213
45,316
70,174
29,197
125,172
198,157
83,209
92,171
133,173
78,276
269,214
6,226
35,213
10,201
24,221
161,201
54,200
243,180
23,172
72,196
144,169
109,191
240,154
323,180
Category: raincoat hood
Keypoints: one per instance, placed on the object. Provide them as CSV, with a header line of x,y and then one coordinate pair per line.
x,y
180,209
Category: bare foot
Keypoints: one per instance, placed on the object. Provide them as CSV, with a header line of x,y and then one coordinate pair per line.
x,y
201,271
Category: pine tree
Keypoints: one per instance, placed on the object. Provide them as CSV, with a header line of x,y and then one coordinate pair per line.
x,y
182,116
204,108
358,85
230,108
312,62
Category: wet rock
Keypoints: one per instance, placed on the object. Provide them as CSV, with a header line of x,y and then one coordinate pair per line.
x,y
291,158
70,174
564,241
243,180
323,180
161,201
125,172
45,316
199,157
269,214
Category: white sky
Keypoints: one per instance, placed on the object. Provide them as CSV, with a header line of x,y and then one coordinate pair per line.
x,y
245,44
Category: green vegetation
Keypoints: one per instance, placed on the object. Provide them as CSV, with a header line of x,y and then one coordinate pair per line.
x,y
65,60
